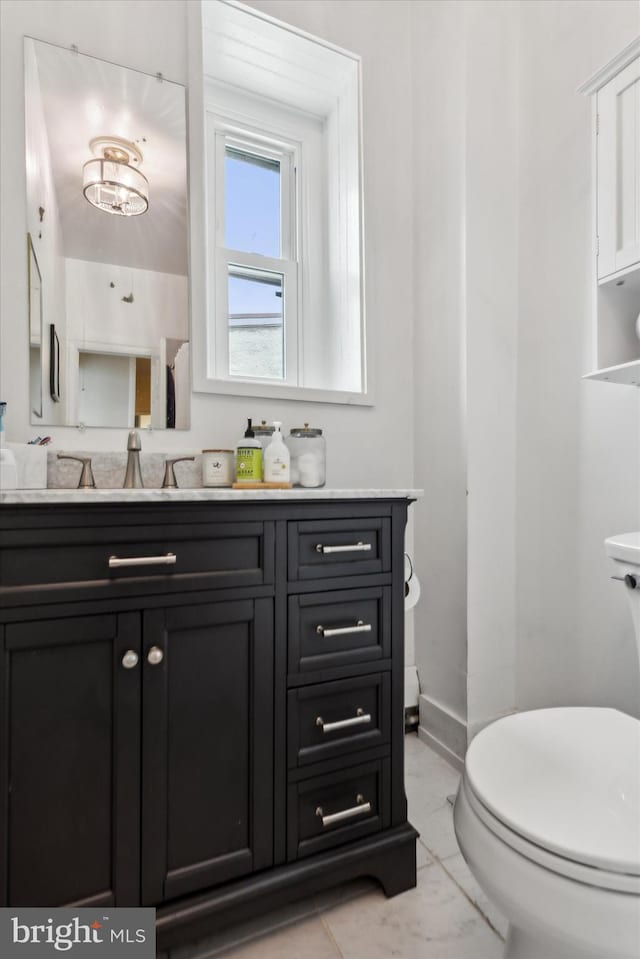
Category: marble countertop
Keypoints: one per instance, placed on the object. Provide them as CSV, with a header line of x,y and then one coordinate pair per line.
x,y
33,497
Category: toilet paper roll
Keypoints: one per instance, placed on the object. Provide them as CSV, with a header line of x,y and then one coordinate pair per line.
x,y
411,592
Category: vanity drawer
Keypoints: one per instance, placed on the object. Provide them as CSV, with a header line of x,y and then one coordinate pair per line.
x,y
349,547
336,808
331,719
210,555
339,628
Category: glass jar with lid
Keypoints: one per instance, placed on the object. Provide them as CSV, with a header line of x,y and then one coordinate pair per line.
x,y
263,433
308,456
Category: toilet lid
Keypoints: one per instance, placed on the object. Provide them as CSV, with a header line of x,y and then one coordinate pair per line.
x,y
567,779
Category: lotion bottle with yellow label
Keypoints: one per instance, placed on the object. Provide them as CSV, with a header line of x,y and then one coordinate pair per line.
x,y
249,458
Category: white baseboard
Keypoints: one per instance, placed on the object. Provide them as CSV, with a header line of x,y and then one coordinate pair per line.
x,y
444,732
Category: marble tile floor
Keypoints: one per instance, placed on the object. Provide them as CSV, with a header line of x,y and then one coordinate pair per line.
x,y
445,917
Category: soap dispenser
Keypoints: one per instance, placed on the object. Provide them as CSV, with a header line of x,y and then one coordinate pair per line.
x,y
276,458
8,468
249,458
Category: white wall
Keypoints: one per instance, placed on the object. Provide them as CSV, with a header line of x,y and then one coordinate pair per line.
x,y
438,50
465,75
97,312
578,478
518,611
491,227
354,435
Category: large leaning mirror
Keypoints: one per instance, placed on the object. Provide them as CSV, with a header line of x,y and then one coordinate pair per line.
x,y
106,182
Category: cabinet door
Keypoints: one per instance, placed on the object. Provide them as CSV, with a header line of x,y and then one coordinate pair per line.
x,y
207,813
69,767
619,172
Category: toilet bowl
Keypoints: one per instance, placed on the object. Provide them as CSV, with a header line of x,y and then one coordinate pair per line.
x,y
547,816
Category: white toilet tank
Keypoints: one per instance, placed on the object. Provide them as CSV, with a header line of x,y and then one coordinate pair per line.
x,y
624,561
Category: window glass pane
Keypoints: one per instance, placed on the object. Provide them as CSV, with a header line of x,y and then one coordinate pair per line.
x,y
256,323
252,203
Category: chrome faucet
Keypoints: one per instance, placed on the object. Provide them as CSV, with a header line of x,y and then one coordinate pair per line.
x,y
133,476
86,480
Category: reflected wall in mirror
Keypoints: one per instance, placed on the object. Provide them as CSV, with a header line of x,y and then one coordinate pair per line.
x,y
34,286
106,167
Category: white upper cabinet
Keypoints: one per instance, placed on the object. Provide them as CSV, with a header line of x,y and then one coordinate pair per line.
x,y
615,94
618,171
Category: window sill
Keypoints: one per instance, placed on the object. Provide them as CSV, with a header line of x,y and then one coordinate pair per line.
x,y
280,392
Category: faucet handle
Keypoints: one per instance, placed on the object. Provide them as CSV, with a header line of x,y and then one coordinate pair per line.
x,y
169,481
86,480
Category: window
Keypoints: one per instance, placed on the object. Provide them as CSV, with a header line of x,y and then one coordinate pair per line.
x,y
256,261
283,296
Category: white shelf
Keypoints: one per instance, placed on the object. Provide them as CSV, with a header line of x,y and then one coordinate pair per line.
x,y
626,373
629,278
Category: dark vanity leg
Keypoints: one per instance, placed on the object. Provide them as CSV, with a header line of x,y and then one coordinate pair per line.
x,y
396,871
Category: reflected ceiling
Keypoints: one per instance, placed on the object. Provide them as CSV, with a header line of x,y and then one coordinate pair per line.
x,y
84,98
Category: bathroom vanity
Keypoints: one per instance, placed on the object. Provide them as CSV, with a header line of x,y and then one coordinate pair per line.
x,y
202,704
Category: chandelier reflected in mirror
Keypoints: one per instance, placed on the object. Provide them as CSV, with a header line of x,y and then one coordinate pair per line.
x,y
111,181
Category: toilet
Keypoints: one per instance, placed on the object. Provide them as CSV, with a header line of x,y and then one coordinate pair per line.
x,y
547,816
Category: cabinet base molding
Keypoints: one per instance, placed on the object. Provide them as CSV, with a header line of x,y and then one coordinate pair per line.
x,y
388,857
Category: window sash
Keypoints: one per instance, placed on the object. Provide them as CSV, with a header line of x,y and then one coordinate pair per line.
x,y
228,259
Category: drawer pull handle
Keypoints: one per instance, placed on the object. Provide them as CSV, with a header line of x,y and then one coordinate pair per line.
x,y
130,659
350,548
360,627
168,559
360,719
359,810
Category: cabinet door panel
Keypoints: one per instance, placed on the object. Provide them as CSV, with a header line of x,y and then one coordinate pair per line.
x,y
619,172
71,738
207,746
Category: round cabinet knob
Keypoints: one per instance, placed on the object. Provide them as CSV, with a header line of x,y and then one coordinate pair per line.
x,y
155,655
130,659
631,581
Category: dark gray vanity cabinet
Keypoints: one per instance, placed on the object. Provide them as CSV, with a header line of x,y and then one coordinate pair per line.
x,y
201,705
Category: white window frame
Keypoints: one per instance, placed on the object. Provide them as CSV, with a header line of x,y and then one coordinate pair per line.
x,y
223,133
245,55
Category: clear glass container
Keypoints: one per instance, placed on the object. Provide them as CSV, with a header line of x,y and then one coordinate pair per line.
x,y
308,456
263,433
